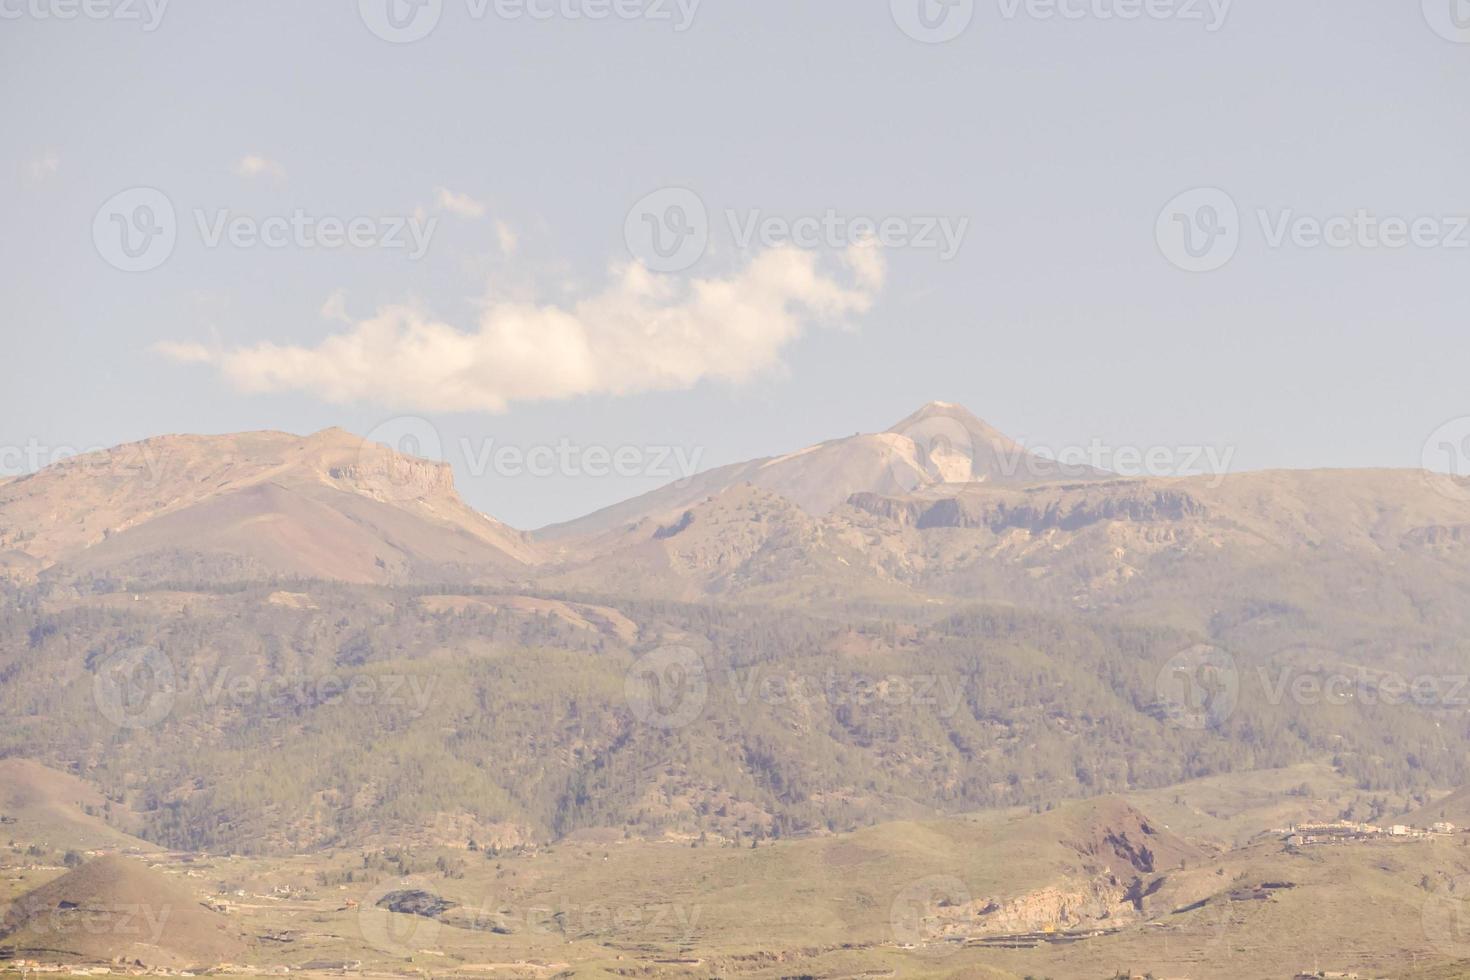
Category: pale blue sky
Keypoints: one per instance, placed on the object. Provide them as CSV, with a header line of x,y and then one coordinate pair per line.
x,y
1059,320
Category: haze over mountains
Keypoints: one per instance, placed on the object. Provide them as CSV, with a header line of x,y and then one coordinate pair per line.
x,y
938,444
256,504
884,652
941,505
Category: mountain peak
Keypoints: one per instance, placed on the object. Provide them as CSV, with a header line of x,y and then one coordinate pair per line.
x,y
956,425
951,411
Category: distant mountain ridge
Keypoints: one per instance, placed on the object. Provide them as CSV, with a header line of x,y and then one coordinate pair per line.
x,y
329,505
941,506
941,443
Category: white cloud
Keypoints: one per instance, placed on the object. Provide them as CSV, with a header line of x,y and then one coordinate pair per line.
x,y
460,204
641,332
44,166
335,307
507,237
184,353
255,165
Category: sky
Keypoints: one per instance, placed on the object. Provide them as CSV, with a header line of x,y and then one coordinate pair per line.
x,y
579,247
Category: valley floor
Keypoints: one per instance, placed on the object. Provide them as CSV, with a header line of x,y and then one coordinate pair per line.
x,y
1204,886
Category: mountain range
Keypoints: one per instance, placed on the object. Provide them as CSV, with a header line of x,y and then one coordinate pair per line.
x,y
939,507
305,668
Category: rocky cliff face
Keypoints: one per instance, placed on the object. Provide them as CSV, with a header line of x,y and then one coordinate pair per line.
x,y
390,476
1054,909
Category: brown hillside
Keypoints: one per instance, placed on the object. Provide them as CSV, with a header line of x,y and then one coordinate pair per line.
x,y
937,445
117,907
330,505
58,809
